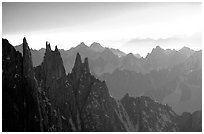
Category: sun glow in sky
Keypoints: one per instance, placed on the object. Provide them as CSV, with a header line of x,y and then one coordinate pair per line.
x,y
130,27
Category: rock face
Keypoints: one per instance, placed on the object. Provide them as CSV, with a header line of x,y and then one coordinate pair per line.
x,y
53,64
12,78
51,72
20,98
79,98
50,76
149,115
44,98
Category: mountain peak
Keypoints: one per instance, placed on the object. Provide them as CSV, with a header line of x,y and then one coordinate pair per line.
x,y
86,65
25,45
48,48
94,44
158,47
77,66
186,51
53,64
78,60
78,71
82,44
155,52
184,47
27,59
56,49
96,47
24,40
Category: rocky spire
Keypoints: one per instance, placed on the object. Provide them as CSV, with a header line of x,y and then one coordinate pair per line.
x,y
48,48
30,85
53,64
24,40
78,61
19,89
27,59
25,46
77,66
80,67
86,65
56,49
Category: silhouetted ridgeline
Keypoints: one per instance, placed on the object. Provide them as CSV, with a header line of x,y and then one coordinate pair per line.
x,y
44,98
168,76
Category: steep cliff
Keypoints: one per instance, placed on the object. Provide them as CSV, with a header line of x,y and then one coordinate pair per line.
x,y
19,90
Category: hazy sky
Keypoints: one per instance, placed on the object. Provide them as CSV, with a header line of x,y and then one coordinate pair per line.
x,y
131,27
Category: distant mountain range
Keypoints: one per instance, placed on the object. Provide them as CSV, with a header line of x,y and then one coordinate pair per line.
x,y
175,79
106,60
168,76
180,87
45,98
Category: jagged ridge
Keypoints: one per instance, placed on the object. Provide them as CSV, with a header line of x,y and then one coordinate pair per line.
x,y
54,101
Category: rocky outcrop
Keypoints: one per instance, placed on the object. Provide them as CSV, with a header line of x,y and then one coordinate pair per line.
x,y
149,115
51,72
53,64
51,77
25,105
31,90
12,88
91,105
20,98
